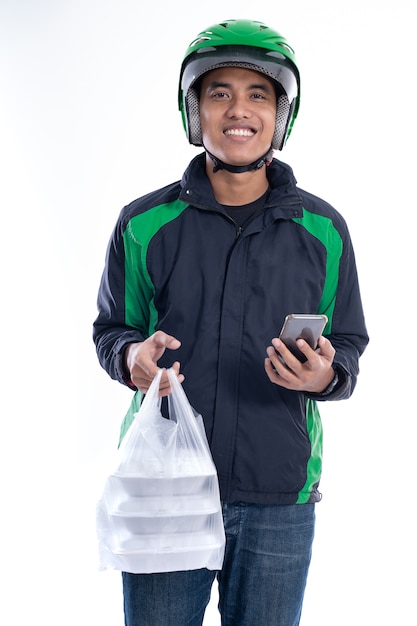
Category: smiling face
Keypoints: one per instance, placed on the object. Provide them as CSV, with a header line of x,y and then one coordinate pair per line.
x,y
237,113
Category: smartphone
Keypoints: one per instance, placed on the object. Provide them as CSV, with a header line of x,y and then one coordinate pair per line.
x,y
301,326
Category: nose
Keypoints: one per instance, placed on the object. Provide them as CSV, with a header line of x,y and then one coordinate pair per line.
x,y
238,107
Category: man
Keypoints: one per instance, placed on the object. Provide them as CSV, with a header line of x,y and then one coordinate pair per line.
x,y
206,269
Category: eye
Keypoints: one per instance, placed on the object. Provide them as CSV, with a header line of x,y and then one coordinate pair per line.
x,y
218,95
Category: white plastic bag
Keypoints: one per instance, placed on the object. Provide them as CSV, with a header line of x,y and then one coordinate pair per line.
x,y
160,510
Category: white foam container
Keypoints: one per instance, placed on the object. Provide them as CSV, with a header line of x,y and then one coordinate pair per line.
x,y
153,496
144,562
188,528
161,524
134,485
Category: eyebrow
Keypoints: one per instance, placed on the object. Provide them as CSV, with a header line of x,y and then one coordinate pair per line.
x,y
216,84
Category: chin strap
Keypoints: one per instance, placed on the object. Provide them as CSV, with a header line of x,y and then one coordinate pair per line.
x,y
238,169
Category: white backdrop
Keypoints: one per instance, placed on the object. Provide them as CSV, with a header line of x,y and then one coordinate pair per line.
x,y
88,122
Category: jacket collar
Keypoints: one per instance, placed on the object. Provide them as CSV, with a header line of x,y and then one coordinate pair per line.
x,y
284,198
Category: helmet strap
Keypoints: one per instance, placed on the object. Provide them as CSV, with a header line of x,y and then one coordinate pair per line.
x,y
238,169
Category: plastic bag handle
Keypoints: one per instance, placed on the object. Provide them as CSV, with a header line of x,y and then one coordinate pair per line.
x,y
151,397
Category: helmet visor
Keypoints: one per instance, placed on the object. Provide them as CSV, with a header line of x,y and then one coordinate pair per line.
x,y
273,64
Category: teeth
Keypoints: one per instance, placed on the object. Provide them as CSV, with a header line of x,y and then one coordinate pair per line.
x,y
239,132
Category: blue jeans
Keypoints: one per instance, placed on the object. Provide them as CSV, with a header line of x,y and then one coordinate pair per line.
x,y
268,552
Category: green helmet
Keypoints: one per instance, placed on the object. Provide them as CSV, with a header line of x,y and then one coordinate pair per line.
x,y
240,43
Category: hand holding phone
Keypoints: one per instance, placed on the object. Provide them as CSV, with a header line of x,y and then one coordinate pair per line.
x,y
302,326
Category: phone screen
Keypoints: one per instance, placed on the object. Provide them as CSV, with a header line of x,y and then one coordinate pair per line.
x,y
302,326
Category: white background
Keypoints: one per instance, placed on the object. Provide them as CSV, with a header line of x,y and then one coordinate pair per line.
x,y
88,122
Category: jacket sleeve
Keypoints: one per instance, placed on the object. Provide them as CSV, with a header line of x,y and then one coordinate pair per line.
x,y
111,333
348,333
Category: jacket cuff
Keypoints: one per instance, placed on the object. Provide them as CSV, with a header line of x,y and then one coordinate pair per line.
x,y
123,376
337,388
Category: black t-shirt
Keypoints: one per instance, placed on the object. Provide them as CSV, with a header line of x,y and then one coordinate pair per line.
x,y
242,214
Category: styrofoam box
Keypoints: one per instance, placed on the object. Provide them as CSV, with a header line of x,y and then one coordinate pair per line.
x,y
133,485
187,559
180,542
178,524
146,497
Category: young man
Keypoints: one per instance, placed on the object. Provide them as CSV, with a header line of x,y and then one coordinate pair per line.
x,y
206,269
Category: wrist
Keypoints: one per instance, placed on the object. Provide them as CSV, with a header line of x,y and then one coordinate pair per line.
x,y
127,363
332,384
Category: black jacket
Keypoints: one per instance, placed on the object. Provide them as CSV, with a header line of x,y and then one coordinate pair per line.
x,y
178,263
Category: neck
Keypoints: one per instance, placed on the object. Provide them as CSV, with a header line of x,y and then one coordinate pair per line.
x,y
236,189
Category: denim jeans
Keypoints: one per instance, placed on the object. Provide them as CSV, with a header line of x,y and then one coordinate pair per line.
x,y
268,552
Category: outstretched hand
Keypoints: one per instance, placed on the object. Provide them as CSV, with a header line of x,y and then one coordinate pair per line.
x,y
141,360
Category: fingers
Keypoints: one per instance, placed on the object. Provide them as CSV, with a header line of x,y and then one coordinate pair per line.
x,y
281,355
165,386
284,369
176,368
144,382
326,349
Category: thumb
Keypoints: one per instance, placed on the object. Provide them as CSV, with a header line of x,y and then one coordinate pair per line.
x,y
166,341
